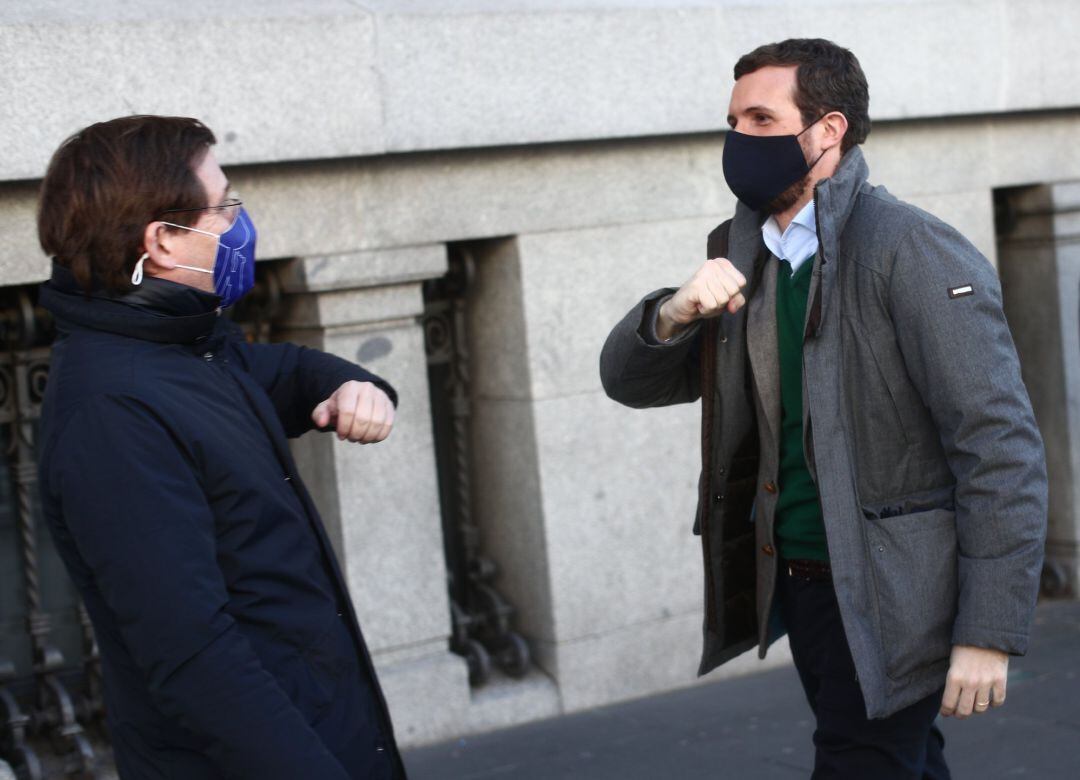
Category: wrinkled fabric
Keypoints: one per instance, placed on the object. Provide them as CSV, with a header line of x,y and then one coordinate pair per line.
x,y
228,640
917,427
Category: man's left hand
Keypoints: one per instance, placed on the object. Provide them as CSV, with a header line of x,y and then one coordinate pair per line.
x,y
358,411
976,681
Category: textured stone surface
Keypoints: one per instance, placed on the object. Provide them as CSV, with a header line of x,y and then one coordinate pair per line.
x,y
644,658
619,496
578,284
335,208
1040,270
505,702
351,270
345,307
365,77
428,695
317,96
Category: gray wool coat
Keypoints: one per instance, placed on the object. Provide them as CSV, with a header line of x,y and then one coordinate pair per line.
x,y
918,432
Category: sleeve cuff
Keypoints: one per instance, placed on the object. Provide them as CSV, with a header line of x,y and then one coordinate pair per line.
x,y
647,330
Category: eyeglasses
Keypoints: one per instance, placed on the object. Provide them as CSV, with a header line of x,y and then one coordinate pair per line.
x,y
229,207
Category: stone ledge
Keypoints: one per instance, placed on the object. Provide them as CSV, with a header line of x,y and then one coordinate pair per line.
x,y
353,270
372,76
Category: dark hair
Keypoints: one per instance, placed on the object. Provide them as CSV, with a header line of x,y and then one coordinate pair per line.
x,y
828,78
107,182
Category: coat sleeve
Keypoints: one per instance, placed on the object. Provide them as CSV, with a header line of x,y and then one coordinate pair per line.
x,y
298,379
960,355
131,504
638,371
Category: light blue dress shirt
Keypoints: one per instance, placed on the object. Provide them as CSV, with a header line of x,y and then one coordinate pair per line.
x,y
798,243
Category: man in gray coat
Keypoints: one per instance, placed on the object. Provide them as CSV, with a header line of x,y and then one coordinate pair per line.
x,y
873,481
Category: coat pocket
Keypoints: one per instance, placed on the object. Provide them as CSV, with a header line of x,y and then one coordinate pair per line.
x,y
309,664
913,560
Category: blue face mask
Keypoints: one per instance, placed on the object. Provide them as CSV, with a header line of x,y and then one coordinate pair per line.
x,y
234,262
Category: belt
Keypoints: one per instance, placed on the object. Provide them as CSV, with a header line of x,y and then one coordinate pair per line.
x,y
809,570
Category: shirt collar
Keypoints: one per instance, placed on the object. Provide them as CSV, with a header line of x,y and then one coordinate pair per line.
x,y
798,242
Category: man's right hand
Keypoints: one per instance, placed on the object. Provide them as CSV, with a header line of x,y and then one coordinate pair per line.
x,y
714,289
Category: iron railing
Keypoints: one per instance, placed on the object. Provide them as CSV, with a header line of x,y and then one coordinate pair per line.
x,y
482,619
50,702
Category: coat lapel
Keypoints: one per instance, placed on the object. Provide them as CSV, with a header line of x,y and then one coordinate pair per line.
x,y
747,252
763,347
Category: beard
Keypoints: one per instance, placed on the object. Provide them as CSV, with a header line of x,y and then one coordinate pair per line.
x,y
792,194
788,197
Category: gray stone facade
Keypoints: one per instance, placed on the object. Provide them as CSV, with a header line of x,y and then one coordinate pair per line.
x,y
579,144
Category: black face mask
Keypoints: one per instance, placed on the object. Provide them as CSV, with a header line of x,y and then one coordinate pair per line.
x,y
758,168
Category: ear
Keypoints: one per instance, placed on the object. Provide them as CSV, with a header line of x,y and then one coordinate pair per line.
x,y
835,126
159,245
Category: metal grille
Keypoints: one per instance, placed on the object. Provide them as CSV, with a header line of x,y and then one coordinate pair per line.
x,y
50,673
481,616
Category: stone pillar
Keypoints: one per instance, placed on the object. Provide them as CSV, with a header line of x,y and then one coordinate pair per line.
x,y
380,502
1039,261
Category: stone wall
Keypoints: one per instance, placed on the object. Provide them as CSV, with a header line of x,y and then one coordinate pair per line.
x,y
577,143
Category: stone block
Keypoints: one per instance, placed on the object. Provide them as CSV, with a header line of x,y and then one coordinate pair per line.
x,y
578,284
620,488
349,307
430,699
543,304
495,308
505,702
330,208
577,499
317,97
488,75
643,659
483,73
428,695
352,270
21,258
323,208
967,154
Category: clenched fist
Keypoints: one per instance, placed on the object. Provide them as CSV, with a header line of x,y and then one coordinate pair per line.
x,y
358,411
715,288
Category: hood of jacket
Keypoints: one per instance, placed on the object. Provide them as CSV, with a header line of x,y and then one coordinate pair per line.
x,y
157,310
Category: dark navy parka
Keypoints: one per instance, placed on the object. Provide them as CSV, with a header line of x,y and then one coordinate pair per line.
x,y
229,644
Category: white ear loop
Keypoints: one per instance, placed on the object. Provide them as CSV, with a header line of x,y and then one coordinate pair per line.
x,y
193,268
137,274
139,265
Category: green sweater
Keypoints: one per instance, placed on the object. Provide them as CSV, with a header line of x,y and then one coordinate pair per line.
x,y
800,532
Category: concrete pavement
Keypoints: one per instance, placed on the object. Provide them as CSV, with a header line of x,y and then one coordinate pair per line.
x,y
760,727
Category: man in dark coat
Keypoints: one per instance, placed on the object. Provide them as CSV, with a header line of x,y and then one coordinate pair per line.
x,y
229,643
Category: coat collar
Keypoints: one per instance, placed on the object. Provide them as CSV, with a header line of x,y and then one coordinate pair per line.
x,y
835,199
157,310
